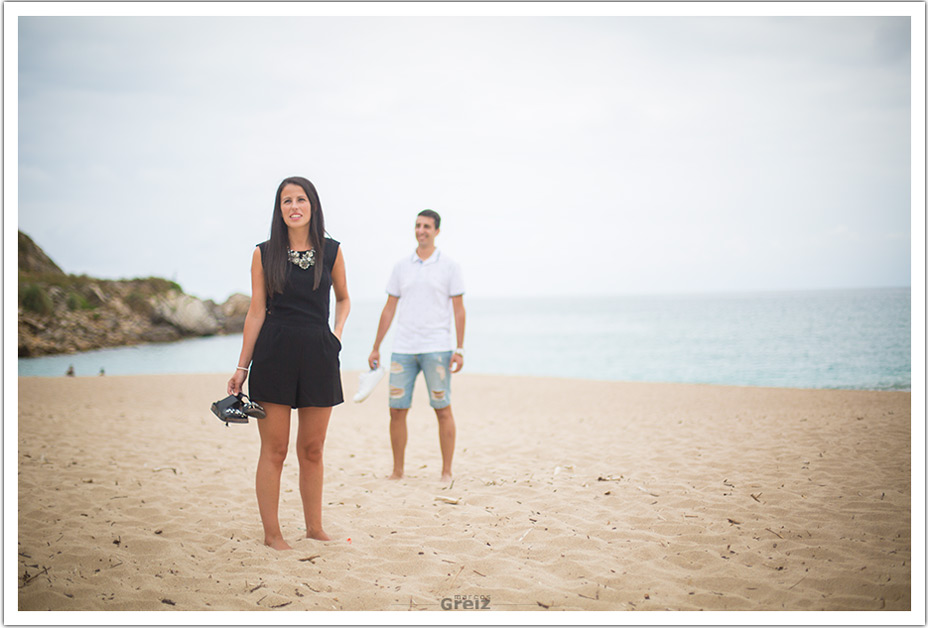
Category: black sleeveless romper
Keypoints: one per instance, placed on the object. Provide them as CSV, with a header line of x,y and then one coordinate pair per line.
x,y
295,359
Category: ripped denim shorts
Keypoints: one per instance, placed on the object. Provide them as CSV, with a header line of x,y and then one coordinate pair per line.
x,y
404,367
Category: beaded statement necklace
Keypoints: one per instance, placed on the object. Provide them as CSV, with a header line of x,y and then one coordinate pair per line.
x,y
304,259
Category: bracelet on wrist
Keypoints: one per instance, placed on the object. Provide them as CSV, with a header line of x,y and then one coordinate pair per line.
x,y
460,351
242,368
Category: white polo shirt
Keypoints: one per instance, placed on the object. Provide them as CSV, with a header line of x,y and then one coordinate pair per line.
x,y
424,311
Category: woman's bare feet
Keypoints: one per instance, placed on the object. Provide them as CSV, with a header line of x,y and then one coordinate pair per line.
x,y
395,476
446,477
318,535
277,543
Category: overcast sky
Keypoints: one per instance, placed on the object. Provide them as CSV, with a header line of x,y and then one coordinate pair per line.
x,y
567,155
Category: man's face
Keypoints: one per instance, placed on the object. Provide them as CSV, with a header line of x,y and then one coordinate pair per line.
x,y
426,231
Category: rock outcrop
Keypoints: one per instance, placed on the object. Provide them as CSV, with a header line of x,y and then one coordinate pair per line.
x,y
233,313
188,314
61,313
33,260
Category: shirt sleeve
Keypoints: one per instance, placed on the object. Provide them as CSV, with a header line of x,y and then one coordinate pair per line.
x,y
456,282
393,283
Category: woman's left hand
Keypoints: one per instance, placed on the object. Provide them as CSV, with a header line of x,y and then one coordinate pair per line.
x,y
235,383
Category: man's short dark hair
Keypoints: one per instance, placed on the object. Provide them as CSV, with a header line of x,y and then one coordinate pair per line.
x,y
430,213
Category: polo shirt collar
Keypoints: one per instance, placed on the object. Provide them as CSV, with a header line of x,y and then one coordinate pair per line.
x,y
433,258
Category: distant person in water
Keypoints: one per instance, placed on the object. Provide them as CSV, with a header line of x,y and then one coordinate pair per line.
x,y
293,356
424,292
70,371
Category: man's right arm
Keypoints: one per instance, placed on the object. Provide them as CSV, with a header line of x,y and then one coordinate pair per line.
x,y
386,319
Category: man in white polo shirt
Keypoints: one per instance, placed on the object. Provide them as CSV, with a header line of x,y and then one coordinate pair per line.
x,y
424,291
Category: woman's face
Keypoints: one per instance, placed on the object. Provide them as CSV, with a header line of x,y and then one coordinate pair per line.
x,y
294,206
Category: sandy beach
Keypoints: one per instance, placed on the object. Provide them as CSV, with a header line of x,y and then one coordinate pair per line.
x,y
568,495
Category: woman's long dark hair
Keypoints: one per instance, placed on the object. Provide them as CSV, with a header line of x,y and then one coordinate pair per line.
x,y
277,263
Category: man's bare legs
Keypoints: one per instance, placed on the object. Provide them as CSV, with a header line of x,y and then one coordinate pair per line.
x,y
398,437
310,441
446,434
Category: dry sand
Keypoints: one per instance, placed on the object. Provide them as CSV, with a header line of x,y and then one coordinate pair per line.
x,y
568,495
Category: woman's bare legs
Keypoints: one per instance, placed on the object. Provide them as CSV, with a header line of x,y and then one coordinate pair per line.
x,y
275,439
310,440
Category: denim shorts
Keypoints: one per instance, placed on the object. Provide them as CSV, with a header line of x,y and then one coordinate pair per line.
x,y
404,367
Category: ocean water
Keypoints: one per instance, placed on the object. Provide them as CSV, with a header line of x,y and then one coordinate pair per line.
x,y
852,339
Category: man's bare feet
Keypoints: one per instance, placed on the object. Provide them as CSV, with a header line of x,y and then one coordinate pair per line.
x,y
318,535
277,544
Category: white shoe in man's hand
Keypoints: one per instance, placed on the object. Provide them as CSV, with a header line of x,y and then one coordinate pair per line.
x,y
368,381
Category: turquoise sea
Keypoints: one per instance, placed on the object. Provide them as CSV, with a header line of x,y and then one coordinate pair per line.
x,y
854,339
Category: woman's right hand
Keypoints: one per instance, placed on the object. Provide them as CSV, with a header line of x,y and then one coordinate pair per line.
x,y
373,359
236,382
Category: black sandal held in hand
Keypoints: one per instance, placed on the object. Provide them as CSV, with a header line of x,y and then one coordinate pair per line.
x,y
252,408
237,409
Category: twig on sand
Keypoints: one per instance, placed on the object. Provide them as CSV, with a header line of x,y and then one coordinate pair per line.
x,y
455,579
27,578
163,468
311,559
756,497
257,587
773,533
280,605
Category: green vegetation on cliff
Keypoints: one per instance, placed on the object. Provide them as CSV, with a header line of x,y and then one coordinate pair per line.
x,y
61,313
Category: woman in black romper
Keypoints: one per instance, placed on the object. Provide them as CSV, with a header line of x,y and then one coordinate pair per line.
x,y
292,352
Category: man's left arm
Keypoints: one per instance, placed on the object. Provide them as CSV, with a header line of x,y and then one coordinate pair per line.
x,y
457,358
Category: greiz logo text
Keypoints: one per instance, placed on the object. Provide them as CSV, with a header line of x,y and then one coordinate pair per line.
x,y
466,602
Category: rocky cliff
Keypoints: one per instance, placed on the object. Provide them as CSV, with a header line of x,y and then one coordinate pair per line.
x,y
61,313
